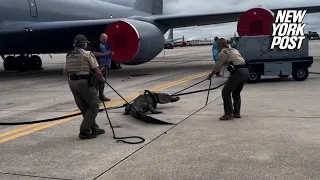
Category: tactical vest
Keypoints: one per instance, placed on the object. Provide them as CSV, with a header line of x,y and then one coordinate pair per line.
x,y
234,57
76,62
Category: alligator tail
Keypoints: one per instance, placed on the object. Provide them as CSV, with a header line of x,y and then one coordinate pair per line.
x,y
152,120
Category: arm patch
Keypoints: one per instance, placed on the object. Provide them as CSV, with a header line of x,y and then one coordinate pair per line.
x,y
225,51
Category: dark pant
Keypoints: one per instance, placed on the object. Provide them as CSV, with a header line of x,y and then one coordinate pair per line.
x,y
104,71
234,85
87,101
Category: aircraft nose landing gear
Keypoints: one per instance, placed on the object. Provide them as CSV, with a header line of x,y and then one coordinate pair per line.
x,y
22,63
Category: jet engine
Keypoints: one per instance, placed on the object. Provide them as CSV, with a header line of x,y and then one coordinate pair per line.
x,y
255,22
134,42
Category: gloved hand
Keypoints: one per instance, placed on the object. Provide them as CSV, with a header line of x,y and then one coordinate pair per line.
x,y
103,79
209,77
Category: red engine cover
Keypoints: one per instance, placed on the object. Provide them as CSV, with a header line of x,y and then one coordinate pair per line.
x,y
123,40
255,22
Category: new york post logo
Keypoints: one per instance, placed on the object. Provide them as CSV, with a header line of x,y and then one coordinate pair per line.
x,y
288,30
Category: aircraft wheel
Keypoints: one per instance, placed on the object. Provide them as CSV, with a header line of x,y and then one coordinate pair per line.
x,y
8,63
22,63
35,62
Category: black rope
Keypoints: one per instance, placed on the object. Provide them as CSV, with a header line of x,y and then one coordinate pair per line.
x,y
110,108
208,92
120,139
54,119
174,94
198,91
39,121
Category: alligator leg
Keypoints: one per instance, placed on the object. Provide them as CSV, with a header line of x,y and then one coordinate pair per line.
x,y
127,110
152,110
148,119
126,113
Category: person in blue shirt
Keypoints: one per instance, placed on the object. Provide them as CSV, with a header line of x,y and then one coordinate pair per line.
x,y
104,60
215,53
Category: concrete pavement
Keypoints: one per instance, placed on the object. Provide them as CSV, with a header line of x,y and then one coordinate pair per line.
x,y
276,138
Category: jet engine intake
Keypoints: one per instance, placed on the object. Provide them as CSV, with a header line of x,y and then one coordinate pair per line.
x,y
255,22
134,42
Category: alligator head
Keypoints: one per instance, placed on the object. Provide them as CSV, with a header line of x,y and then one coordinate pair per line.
x,y
164,98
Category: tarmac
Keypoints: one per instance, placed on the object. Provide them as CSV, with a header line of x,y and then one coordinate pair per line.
x,y
278,136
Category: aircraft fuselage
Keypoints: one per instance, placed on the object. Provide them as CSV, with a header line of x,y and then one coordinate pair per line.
x,y
28,11
63,10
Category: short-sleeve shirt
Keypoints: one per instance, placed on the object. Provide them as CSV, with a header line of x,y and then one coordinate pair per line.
x,y
80,61
104,60
227,56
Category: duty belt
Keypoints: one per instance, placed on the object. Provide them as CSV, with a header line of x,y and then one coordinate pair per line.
x,y
239,66
75,77
232,68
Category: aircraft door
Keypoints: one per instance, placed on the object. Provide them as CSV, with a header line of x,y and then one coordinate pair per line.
x,y
33,8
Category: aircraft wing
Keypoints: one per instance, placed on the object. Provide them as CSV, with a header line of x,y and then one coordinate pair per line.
x,y
79,26
178,21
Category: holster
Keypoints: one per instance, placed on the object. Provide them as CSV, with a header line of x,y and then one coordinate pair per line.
x,y
231,68
75,77
92,79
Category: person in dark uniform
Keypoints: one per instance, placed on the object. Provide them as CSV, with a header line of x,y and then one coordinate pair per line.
x,y
79,67
232,59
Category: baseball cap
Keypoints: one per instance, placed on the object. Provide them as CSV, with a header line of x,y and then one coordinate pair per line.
x,y
80,39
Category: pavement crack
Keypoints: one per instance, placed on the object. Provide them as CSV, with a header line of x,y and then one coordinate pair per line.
x,y
165,132
300,117
267,116
25,175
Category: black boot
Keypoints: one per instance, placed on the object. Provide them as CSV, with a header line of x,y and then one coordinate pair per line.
x,y
225,117
98,132
102,97
87,135
237,115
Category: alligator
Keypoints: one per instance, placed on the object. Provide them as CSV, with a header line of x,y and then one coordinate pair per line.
x,y
148,102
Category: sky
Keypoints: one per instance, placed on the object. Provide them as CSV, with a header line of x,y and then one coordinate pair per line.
x,y
226,30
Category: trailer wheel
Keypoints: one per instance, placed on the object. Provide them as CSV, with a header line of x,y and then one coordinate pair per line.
x,y
254,76
300,74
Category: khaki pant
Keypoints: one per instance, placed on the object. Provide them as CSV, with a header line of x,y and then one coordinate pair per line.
x,y
87,101
234,85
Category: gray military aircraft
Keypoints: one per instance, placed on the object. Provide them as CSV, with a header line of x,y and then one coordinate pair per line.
x,y
169,42
30,27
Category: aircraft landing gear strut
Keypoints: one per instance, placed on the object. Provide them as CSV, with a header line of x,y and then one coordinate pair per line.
x,y
22,62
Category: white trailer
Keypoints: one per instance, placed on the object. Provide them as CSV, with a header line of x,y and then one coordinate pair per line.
x,y
265,62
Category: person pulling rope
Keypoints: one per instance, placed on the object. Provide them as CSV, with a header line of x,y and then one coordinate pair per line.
x,y
100,110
